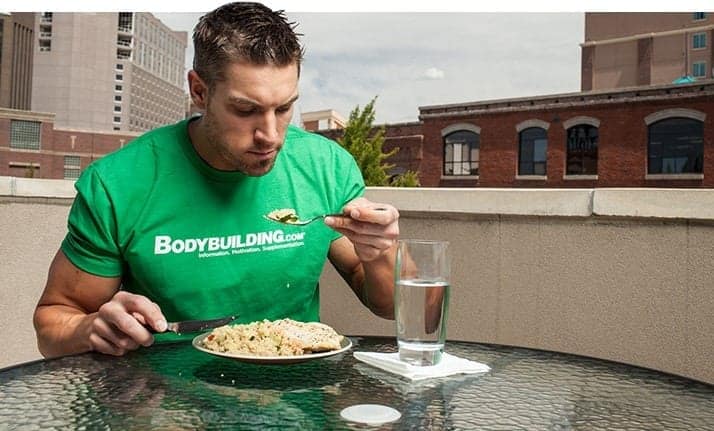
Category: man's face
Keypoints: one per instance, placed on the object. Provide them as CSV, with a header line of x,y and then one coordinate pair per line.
x,y
246,117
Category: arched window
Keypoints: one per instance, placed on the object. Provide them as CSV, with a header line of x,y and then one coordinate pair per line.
x,y
532,151
461,153
581,149
675,146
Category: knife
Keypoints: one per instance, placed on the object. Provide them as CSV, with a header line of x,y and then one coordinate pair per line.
x,y
193,325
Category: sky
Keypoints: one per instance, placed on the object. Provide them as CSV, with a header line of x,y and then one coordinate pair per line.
x,y
410,59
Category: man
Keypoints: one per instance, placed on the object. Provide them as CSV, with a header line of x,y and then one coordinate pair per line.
x,y
173,226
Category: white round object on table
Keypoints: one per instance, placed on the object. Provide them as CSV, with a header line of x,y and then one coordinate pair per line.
x,y
371,414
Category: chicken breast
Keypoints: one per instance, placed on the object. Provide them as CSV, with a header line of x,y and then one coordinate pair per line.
x,y
312,336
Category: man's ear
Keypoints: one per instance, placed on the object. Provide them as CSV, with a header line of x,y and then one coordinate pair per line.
x,y
198,90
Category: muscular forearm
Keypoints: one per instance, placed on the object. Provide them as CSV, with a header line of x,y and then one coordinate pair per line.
x,y
62,330
79,311
377,284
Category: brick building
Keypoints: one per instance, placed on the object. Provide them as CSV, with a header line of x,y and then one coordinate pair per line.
x,y
650,136
31,146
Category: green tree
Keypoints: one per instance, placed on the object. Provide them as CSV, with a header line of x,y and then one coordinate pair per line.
x,y
407,179
364,142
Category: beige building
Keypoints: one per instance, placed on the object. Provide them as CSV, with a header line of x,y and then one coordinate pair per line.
x,y
326,119
16,43
634,49
108,71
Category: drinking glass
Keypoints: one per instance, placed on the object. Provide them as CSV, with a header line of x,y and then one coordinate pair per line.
x,y
421,300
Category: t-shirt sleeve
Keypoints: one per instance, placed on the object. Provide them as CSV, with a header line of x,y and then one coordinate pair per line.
x,y
353,186
91,243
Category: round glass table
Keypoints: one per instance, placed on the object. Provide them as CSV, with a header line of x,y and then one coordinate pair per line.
x,y
175,386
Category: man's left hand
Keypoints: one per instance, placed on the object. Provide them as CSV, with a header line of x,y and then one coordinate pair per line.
x,y
373,228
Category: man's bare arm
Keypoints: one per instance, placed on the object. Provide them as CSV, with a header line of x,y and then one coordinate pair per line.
x,y
79,312
372,283
366,255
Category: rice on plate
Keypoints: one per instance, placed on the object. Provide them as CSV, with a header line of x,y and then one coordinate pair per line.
x,y
285,337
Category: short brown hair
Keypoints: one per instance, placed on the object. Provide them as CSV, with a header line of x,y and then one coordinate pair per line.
x,y
242,31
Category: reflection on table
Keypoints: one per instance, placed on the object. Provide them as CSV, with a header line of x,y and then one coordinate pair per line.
x,y
174,386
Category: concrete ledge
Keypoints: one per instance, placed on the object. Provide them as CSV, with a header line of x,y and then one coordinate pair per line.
x,y
693,204
36,187
529,202
6,186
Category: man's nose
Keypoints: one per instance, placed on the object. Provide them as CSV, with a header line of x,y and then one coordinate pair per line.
x,y
267,130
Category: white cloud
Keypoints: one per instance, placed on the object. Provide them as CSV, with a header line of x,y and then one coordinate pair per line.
x,y
433,73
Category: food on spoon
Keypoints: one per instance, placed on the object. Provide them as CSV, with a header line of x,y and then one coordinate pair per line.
x,y
284,215
285,337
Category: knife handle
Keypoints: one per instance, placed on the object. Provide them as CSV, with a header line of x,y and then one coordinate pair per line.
x,y
152,330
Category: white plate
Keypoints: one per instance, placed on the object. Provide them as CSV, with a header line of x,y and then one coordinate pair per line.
x,y
345,345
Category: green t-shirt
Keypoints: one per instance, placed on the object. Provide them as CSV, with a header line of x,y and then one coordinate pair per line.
x,y
195,240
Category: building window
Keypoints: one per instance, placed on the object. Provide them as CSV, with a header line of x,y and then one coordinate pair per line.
x,y
117,98
25,134
581,148
120,66
117,108
698,16
461,153
117,87
699,40
125,21
532,151
119,77
24,169
675,146
699,69
72,167
117,119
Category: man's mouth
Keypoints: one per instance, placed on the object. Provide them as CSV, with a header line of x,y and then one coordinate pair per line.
x,y
262,154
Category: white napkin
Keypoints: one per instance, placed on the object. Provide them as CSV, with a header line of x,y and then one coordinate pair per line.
x,y
448,365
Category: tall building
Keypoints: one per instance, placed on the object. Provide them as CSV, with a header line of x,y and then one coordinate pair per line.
x,y
108,71
635,49
16,44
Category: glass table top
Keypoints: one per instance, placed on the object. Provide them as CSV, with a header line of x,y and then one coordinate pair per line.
x,y
174,386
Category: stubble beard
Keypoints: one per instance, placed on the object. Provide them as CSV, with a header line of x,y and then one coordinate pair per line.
x,y
235,163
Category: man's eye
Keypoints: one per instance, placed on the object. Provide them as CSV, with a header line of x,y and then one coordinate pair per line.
x,y
244,112
284,108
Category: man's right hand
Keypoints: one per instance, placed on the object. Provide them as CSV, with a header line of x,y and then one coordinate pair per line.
x,y
78,312
118,325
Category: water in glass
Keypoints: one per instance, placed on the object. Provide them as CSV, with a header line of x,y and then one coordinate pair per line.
x,y
421,300
421,307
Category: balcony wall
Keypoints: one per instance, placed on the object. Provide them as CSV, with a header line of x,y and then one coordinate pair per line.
x,y
621,274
